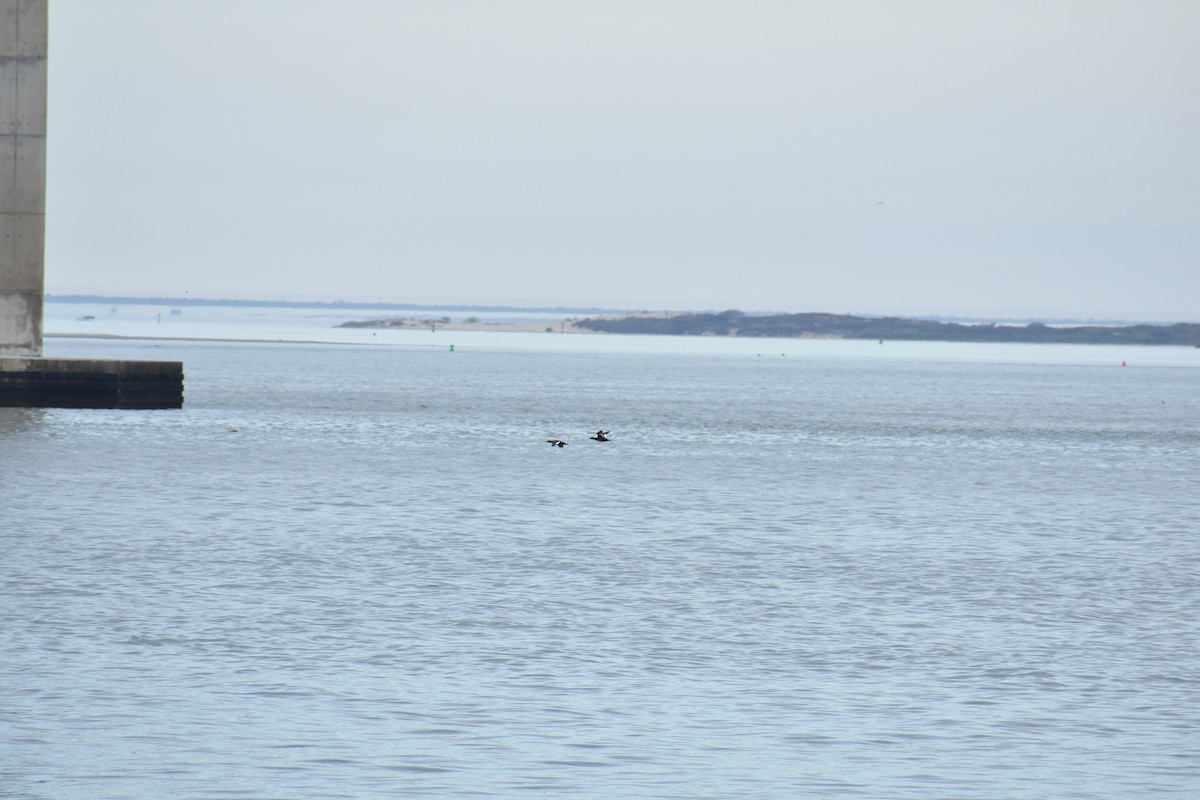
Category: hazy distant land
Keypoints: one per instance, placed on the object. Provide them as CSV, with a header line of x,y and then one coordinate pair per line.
x,y
844,326
828,326
724,323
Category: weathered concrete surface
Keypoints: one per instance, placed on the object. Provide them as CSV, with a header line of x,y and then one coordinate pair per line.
x,y
26,379
86,383
23,51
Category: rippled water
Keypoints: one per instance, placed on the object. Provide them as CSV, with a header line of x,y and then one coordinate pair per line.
x,y
356,572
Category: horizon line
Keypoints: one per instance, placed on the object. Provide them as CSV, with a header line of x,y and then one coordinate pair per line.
x,y
352,304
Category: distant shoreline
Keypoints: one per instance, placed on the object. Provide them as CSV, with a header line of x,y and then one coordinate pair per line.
x,y
731,323
407,323
564,311
491,327
334,305
823,326
126,337
845,326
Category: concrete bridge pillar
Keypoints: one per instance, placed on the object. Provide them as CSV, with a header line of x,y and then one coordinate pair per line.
x,y
23,50
26,378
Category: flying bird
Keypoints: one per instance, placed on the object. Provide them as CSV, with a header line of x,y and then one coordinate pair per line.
x,y
601,436
557,442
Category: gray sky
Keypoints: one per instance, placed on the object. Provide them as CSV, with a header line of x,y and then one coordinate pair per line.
x,y
998,159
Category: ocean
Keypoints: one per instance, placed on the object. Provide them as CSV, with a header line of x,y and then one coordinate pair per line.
x,y
352,567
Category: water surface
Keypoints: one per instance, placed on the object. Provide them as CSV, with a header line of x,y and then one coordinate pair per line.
x,y
799,569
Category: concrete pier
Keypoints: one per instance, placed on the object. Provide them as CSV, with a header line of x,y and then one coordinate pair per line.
x,y
27,379
83,383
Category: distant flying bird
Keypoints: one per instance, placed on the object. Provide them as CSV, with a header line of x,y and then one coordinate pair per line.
x,y
557,442
601,436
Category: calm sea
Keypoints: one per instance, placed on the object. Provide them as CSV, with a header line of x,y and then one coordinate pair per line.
x,y
798,569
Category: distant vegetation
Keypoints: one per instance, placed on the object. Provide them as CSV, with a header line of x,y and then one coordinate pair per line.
x,y
737,323
843,326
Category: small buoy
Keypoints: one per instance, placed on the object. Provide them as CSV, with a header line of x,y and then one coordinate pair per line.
x,y
451,348
1122,363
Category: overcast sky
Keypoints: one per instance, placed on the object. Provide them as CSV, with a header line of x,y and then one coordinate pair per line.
x,y
992,159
